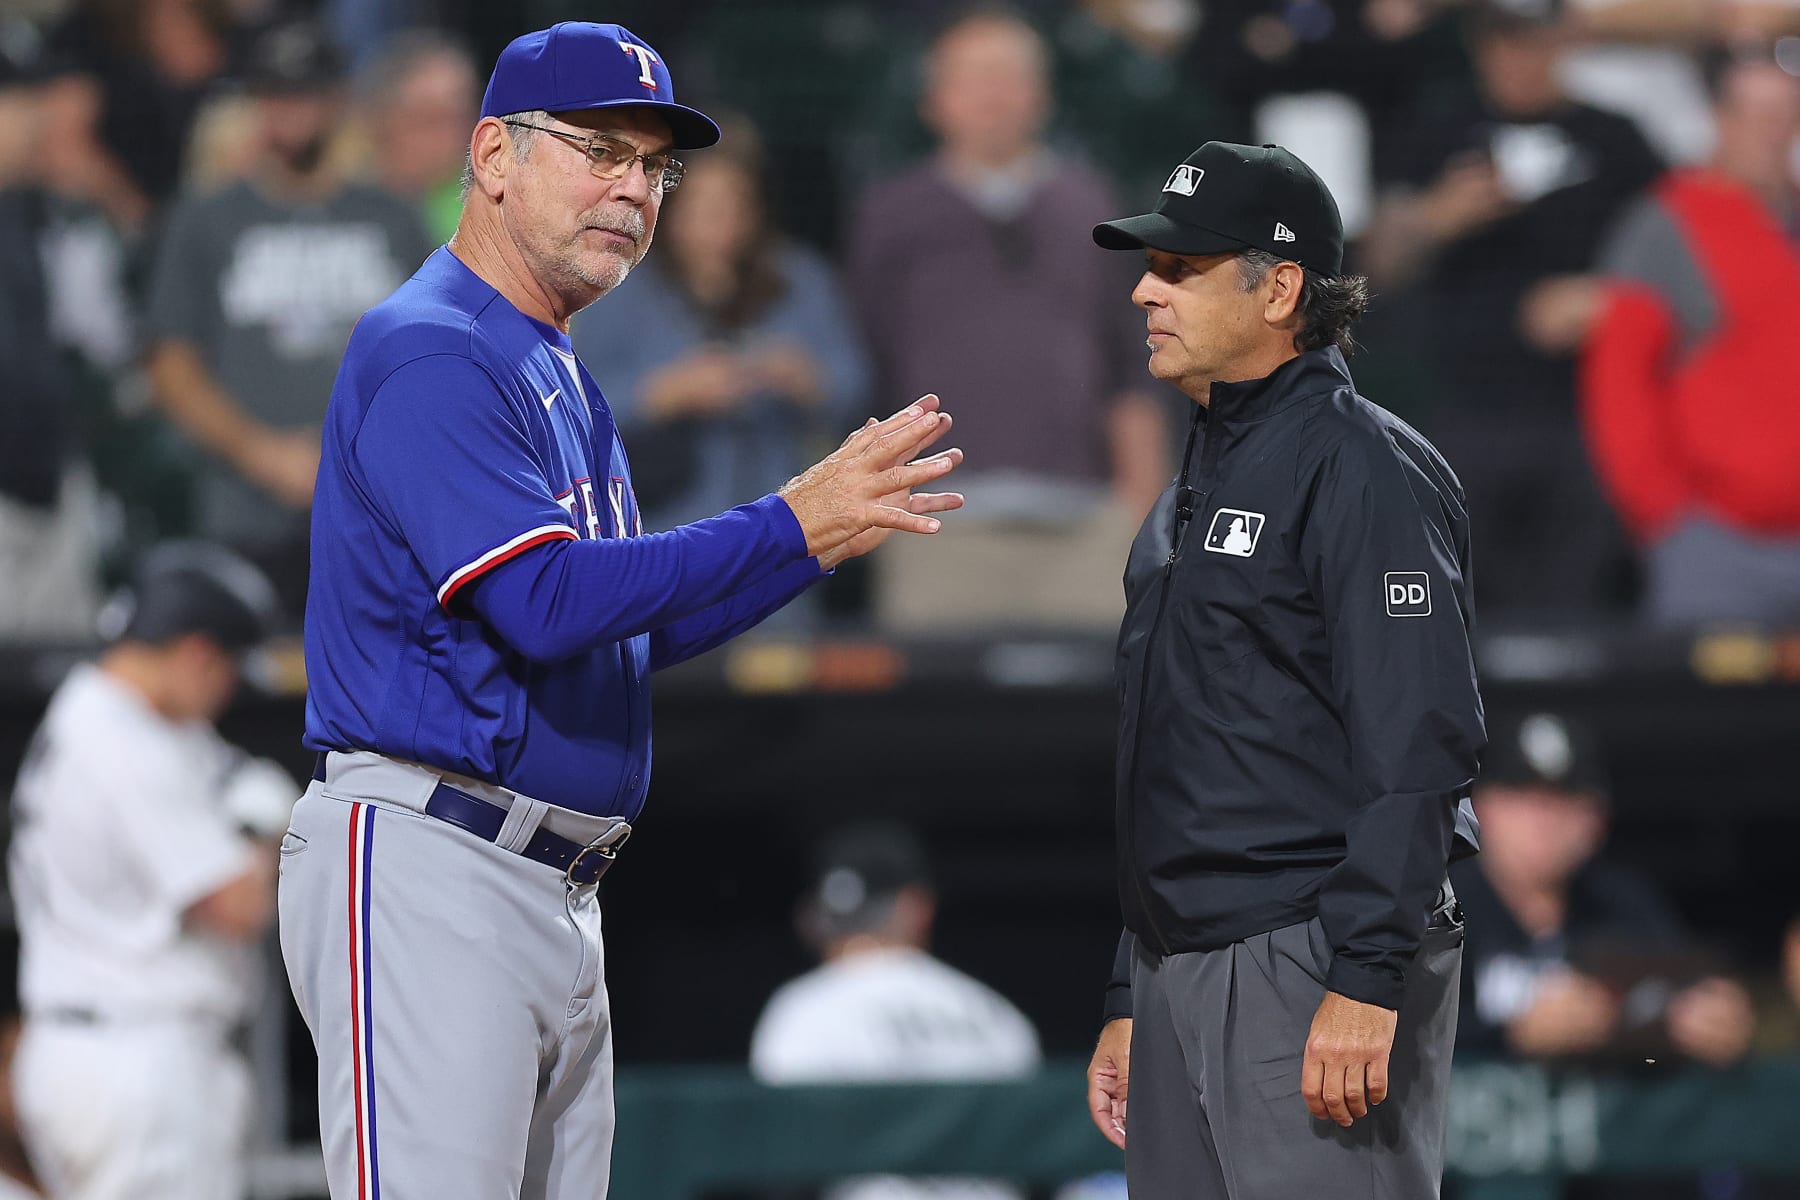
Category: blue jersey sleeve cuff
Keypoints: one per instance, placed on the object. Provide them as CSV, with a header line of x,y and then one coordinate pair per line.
x,y
783,524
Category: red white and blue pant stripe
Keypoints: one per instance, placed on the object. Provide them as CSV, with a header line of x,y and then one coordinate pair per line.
x,y
362,846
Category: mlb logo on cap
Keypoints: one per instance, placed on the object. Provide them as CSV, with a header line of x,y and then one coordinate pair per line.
x,y
1184,180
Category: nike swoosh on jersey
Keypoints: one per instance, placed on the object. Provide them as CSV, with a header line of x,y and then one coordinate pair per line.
x,y
551,398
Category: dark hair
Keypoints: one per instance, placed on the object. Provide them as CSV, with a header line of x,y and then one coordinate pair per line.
x,y
758,280
1719,63
1330,305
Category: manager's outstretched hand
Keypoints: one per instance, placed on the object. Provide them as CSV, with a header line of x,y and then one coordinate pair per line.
x,y
852,499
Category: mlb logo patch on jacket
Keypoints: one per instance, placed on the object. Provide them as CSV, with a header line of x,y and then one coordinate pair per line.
x,y
1234,531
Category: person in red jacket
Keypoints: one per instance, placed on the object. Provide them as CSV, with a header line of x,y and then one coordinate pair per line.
x,y
1691,404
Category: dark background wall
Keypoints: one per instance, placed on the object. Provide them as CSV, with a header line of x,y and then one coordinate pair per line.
x,y
1001,755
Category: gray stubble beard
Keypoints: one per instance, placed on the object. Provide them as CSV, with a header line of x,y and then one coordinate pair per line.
x,y
613,272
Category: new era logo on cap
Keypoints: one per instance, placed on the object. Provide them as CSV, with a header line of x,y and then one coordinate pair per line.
x,y
1184,180
1283,233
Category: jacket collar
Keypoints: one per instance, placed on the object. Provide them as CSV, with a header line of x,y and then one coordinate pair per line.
x,y
1309,374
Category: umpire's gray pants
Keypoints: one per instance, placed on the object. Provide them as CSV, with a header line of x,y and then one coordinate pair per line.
x,y
456,997
1215,1111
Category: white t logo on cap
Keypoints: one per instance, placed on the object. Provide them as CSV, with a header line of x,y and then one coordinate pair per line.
x,y
644,58
1184,180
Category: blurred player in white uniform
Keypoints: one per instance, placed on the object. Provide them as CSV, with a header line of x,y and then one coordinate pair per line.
x,y
143,871
879,1008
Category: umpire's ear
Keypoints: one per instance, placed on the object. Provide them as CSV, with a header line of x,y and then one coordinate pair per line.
x,y
490,156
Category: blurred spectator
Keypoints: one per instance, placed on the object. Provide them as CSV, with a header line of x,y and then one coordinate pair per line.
x,y
973,281
1642,58
1335,81
226,144
880,1009
1691,402
1127,91
729,352
1378,51
132,76
1154,27
143,877
815,121
1778,1031
254,296
1502,211
17,1180
48,530
1639,58
420,97
1568,954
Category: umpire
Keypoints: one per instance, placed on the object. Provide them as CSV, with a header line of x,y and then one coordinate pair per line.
x,y
1299,728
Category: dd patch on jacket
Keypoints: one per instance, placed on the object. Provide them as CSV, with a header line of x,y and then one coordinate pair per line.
x,y
1234,531
1408,593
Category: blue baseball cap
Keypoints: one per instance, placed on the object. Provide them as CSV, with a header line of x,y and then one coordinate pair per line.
x,y
582,64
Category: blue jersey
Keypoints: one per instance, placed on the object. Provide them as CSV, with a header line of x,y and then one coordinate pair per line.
x,y
461,436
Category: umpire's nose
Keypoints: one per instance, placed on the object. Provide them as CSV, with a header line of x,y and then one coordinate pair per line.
x,y
1150,291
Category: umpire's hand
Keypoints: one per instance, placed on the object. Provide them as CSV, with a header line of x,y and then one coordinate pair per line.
x,y
1109,1078
1345,1069
850,501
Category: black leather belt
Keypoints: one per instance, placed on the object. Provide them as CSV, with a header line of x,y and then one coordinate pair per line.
x,y
582,863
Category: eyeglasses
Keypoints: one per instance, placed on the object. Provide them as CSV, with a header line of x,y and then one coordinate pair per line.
x,y
611,157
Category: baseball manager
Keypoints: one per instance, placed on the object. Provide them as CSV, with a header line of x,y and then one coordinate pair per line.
x,y
1299,728
484,616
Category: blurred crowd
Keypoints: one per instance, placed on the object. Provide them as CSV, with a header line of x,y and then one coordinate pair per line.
x,y
1579,217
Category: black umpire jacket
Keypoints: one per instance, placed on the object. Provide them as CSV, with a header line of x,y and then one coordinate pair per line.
x,y
1299,724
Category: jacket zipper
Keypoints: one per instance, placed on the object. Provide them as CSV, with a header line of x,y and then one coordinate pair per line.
x,y
1185,499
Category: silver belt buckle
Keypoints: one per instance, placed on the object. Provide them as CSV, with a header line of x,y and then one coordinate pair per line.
x,y
1446,910
605,846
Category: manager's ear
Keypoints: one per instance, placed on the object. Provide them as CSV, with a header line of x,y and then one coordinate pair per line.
x,y
491,156
1281,293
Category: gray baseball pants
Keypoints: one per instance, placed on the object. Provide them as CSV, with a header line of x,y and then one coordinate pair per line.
x,y
1215,1111
454,991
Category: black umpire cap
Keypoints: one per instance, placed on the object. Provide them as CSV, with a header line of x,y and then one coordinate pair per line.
x,y
1545,750
1226,198
193,587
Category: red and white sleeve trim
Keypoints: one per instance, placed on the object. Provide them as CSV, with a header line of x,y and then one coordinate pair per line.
x,y
498,555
